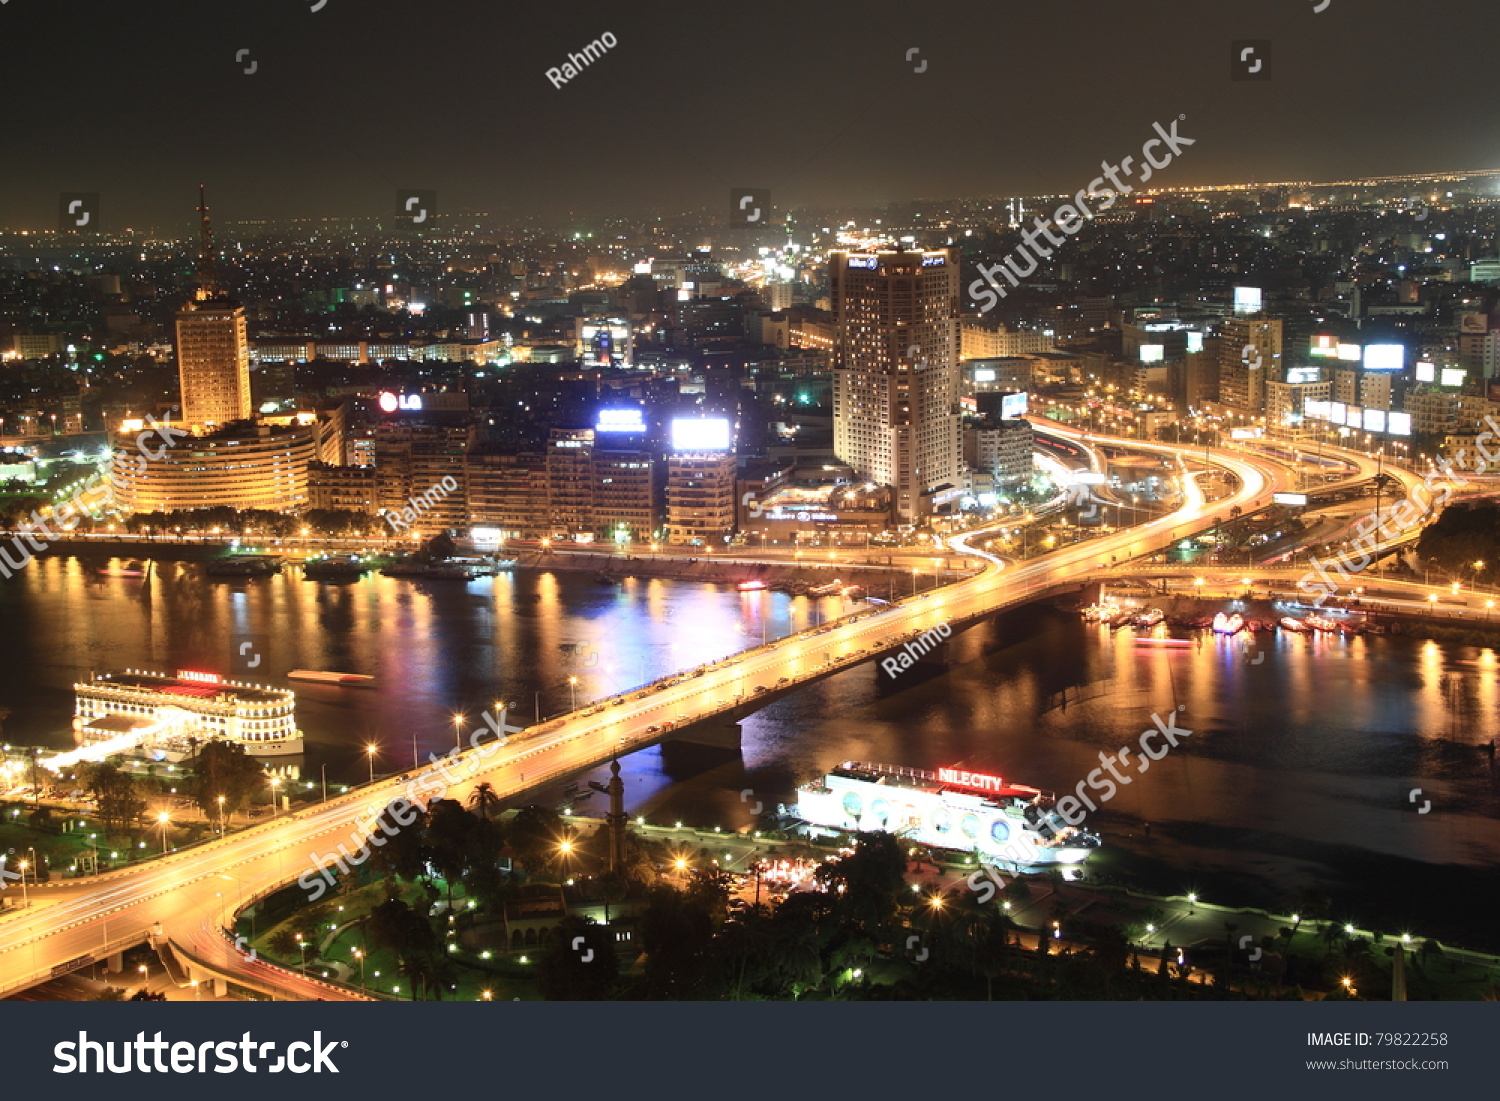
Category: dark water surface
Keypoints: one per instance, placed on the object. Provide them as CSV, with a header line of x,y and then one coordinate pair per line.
x,y
1298,775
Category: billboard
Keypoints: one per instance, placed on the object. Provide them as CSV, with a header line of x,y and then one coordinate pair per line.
x,y
984,374
1474,323
1374,420
1454,376
1153,353
1195,342
1399,424
1354,417
1426,372
1349,352
700,434
1385,357
1296,500
1012,406
1324,346
1336,410
1301,375
620,420
1247,300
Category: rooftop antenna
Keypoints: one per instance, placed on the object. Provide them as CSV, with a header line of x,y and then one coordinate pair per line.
x,y
208,285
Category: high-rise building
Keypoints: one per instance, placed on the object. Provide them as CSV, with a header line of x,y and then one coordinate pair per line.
x,y
423,463
1249,356
895,375
213,347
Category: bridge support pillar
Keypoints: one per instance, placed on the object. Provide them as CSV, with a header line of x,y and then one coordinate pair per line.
x,y
220,987
717,733
116,962
1091,593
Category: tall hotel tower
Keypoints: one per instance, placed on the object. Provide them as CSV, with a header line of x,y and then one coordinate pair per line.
x,y
213,349
895,374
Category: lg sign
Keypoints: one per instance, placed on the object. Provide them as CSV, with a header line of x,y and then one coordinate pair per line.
x,y
389,402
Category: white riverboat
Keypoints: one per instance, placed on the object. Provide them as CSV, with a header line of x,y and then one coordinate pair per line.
x,y
1006,824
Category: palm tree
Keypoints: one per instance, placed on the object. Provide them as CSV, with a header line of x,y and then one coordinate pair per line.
x,y
484,800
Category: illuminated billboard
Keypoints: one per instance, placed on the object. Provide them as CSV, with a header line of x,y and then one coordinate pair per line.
x,y
1153,353
1385,357
1295,500
1399,424
1454,376
867,262
1298,375
1013,405
1354,417
1374,420
1350,353
1324,346
984,374
1336,411
620,420
1195,342
1247,300
700,434
1426,372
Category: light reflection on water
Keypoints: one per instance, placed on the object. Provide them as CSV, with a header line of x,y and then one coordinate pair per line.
x,y
1298,762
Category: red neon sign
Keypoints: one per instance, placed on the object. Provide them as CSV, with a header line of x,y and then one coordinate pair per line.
x,y
979,781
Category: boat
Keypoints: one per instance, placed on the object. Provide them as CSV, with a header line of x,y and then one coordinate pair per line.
x,y
347,680
244,565
830,589
130,570
1228,625
1148,619
164,713
335,568
977,813
751,586
1319,623
1290,623
420,569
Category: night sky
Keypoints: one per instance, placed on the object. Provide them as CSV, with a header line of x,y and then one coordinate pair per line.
x,y
139,100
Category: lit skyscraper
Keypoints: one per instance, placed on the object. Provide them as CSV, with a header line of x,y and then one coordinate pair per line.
x,y
895,374
213,348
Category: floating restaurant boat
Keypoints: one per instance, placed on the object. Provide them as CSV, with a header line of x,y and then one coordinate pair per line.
x,y
1319,623
751,586
1289,623
244,565
339,567
160,712
1012,825
1148,619
419,569
348,680
1228,625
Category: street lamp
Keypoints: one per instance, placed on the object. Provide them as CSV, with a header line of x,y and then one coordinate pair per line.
x,y
302,948
458,724
25,898
221,815
573,690
370,755
359,955
163,819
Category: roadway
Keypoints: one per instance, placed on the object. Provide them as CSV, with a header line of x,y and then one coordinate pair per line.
x,y
193,894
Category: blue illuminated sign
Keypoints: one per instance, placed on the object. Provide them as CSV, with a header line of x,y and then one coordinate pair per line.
x,y
863,262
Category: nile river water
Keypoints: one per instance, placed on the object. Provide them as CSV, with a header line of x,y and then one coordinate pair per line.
x,y
1298,776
